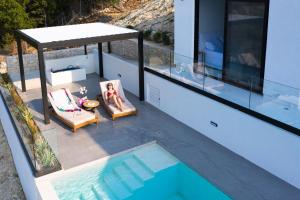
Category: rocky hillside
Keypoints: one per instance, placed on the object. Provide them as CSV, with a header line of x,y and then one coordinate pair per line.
x,y
156,15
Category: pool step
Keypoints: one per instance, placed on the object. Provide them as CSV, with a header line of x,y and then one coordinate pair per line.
x,y
116,186
128,178
155,158
139,169
88,196
100,194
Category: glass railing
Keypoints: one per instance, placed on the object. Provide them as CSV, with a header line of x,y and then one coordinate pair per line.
x,y
274,100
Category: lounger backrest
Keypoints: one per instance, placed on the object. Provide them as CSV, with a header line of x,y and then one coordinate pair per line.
x,y
58,98
117,86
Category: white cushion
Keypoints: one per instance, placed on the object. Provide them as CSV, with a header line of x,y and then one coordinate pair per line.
x,y
128,107
57,99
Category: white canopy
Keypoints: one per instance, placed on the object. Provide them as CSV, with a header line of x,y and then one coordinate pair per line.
x,y
73,32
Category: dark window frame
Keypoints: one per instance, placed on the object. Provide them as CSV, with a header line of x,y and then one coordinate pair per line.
x,y
264,40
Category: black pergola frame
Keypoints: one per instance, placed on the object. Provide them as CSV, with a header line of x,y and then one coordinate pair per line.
x,y
19,35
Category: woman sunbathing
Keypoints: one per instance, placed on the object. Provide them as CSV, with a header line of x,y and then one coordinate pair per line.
x,y
111,96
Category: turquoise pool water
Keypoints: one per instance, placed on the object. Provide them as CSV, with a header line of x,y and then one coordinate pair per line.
x,y
147,173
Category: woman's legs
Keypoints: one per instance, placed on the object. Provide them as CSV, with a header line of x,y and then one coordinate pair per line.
x,y
120,103
113,100
116,102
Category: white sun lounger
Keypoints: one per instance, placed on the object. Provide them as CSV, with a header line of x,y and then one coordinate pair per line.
x,y
66,109
128,109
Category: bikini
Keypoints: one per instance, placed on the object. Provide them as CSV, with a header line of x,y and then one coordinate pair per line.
x,y
111,93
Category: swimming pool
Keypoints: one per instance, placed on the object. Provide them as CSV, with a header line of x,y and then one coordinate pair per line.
x,y
145,173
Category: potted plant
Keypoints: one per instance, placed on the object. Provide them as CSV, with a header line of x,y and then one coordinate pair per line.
x,y
83,92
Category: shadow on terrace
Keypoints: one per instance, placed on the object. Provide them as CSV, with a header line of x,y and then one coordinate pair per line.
x,y
108,137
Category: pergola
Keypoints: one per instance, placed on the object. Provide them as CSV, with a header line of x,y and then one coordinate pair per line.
x,y
75,35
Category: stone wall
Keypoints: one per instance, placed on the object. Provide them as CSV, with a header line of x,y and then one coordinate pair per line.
x,y
153,54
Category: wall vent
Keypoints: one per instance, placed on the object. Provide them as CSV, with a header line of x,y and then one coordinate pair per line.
x,y
154,95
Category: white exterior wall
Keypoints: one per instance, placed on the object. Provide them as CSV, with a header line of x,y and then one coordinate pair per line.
x,y
85,61
184,27
24,171
283,44
115,68
267,146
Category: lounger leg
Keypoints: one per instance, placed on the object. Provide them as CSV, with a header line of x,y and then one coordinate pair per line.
x,y
97,120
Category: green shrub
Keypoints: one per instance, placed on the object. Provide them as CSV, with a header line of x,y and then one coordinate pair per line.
x,y
12,16
157,36
130,26
25,114
166,39
44,154
147,34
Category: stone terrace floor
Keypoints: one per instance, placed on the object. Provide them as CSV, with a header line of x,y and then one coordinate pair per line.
x,y
234,175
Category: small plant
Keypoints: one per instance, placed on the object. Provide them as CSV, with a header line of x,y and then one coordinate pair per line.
x,y
157,37
83,92
8,86
25,114
147,34
44,154
166,39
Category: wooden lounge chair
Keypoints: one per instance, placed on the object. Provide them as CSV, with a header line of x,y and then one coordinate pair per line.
x,y
129,109
65,108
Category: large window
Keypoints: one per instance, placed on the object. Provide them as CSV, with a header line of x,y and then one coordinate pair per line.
x,y
231,40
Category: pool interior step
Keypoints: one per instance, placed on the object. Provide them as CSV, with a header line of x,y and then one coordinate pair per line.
x,y
127,177
101,194
88,196
155,158
130,175
116,186
139,169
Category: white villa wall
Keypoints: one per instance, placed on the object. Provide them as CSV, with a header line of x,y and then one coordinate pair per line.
x,y
127,72
267,146
184,27
24,171
283,44
85,61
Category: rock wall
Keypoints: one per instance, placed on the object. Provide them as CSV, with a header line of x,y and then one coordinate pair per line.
x,y
156,15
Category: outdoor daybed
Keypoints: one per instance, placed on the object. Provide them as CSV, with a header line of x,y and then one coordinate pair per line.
x,y
65,108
